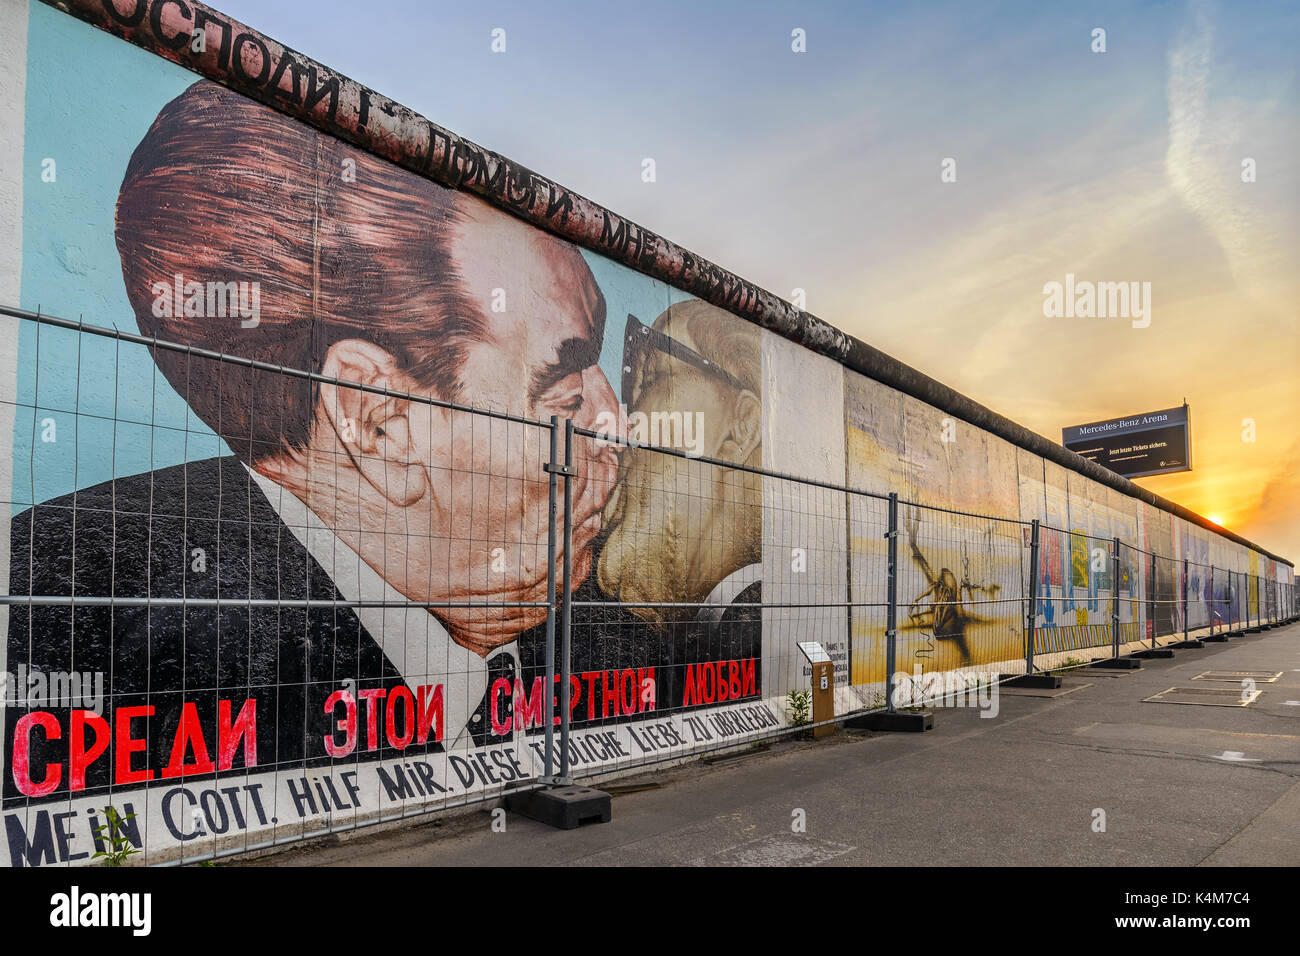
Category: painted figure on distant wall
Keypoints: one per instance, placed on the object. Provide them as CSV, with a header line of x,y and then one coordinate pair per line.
x,y
942,607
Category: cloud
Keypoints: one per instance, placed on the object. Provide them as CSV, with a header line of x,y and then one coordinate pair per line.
x,y
1276,517
1207,142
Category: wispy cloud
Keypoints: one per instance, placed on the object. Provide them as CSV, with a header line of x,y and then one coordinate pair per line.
x,y
1205,151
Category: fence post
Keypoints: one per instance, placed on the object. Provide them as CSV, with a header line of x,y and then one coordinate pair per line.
x,y
1031,624
1152,608
891,596
566,632
558,802
1185,637
552,467
1114,598
892,719
1214,604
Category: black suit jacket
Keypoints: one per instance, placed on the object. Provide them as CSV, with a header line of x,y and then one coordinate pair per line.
x,y
199,530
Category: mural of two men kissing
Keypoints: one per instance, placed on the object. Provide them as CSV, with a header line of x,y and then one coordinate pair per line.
x,y
417,532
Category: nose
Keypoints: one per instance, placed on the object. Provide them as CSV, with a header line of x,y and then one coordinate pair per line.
x,y
613,511
600,400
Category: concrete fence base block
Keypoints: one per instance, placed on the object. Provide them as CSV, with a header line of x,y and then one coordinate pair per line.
x,y
913,722
1049,681
562,807
1216,638
1193,642
1161,652
1117,663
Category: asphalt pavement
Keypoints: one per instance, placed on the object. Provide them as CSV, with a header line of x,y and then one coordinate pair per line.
x,y
1088,775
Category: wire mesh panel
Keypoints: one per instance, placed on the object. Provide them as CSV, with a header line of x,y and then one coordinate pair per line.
x,y
303,600
1076,609
868,590
1133,595
711,574
1169,598
961,591
670,621
1199,595
1222,610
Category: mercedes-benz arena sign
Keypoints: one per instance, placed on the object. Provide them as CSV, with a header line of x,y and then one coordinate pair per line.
x,y
1154,443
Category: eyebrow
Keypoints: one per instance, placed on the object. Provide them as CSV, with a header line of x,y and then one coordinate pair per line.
x,y
572,356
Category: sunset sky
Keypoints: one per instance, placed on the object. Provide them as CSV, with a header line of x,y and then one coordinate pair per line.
x,y
821,170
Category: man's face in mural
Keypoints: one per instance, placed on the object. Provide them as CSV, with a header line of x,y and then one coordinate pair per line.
x,y
539,359
452,505
679,526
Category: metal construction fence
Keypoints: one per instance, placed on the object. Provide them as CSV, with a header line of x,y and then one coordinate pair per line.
x,y
302,639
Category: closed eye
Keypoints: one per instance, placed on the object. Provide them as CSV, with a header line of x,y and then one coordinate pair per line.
x,y
565,396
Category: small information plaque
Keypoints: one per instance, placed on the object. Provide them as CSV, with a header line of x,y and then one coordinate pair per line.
x,y
815,653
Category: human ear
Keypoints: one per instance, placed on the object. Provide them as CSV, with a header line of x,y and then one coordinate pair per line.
x,y
745,433
371,427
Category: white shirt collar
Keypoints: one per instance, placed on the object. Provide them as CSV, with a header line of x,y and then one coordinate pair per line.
x,y
727,590
413,639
